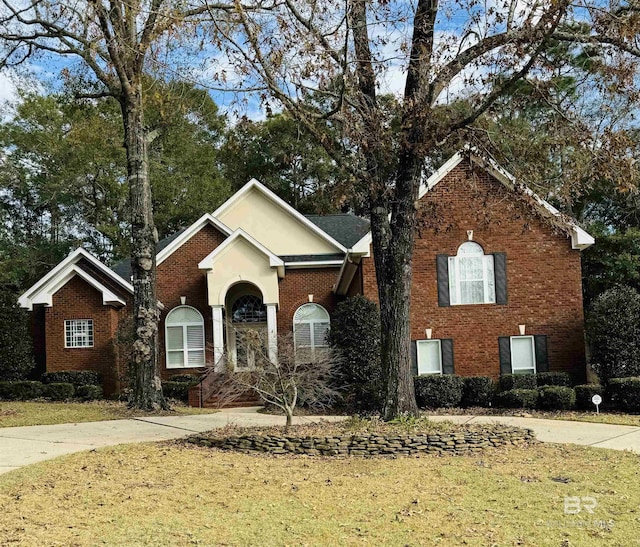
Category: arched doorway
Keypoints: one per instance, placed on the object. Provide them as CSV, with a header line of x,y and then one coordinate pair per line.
x,y
246,324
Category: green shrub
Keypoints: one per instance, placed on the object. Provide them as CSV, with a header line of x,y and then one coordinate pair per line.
x,y
625,393
510,382
553,379
584,394
613,328
517,398
16,357
188,378
58,391
355,335
556,398
478,391
75,377
21,391
176,390
89,393
437,391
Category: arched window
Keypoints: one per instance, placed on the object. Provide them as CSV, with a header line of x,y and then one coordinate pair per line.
x,y
184,337
310,328
471,276
248,308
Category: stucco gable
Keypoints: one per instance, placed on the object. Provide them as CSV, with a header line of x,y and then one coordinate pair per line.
x,y
274,223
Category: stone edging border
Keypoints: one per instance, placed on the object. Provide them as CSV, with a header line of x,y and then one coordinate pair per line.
x,y
373,444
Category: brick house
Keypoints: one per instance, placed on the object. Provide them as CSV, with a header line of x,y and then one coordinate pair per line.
x,y
496,283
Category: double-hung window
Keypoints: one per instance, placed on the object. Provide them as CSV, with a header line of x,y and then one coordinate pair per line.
x,y
471,276
429,353
523,355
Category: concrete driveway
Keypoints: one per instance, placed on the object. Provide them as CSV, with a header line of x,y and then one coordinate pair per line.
x,y
20,446
615,437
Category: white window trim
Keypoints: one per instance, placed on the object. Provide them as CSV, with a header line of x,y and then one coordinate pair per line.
x,y
425,342
185,349
90,333
311,323
455,290
533,355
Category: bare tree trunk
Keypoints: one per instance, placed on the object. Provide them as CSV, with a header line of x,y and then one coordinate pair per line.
x,y
393,255
147,389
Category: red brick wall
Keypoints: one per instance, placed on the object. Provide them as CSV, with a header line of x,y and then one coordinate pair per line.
x,y
295,289
179,276
79,300
543,276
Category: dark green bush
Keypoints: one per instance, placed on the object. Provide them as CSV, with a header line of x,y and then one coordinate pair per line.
x,y
89,393
509,382
75,377
355,335
16,357
176,390
517,398
585,392
478,391
21,391
188,378
624,393
437,391
553,379
556,398
58,391
613,328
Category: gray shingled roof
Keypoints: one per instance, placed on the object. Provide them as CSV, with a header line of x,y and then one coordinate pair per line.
x,y
345,229
123,268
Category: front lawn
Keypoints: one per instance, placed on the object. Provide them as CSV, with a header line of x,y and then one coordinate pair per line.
x,y
172,494
18,413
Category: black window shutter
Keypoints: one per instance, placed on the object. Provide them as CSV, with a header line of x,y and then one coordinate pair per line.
x,y
500,272
504,344
442,269
542,359
414,358
446,346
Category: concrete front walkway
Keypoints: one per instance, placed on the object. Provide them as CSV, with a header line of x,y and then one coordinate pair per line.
x,y
20,446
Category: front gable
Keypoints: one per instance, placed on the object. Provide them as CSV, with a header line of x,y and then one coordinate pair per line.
x,y
273,223
241,258
469,168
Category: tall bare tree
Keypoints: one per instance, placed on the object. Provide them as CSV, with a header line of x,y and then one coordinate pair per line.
x,y
113,42
346,53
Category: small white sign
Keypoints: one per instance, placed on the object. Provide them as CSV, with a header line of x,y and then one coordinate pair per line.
x,y
596,399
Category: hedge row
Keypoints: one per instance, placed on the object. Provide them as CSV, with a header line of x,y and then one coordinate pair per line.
x,y
178,386
549,391
56,391
75,377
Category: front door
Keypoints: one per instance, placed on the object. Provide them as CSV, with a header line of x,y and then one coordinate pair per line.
x,y
249,345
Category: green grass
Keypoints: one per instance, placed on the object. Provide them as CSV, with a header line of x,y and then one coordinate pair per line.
x,y
171,494
18,413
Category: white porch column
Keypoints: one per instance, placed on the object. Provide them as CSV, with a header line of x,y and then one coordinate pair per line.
x,y
218,334
272,332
